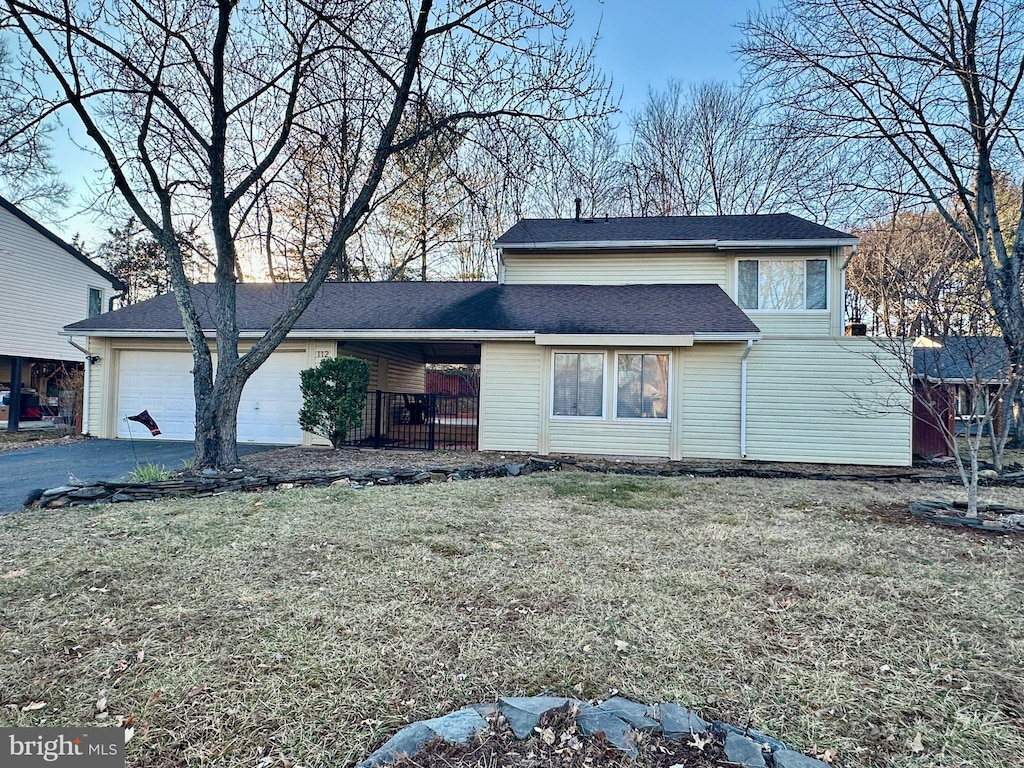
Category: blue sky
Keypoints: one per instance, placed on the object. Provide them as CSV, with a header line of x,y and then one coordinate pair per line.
x,y
643,44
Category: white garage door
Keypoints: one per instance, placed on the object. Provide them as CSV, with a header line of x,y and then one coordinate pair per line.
x,y
161,383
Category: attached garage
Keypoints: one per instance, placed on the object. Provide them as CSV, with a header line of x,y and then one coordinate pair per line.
x,y
161,382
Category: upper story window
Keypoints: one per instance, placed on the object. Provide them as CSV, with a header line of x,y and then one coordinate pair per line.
x,y
782,284
95,302
579,384
642,386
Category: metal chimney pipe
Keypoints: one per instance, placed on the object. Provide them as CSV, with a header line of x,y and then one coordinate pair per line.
x,y
579,206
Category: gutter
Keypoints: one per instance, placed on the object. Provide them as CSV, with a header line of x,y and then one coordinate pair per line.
x,y
743,398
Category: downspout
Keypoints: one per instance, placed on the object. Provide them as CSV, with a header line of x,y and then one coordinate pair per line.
x,y
743,398
85,397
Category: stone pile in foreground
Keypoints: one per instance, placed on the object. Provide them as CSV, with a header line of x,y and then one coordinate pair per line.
x,y
211,483
618,719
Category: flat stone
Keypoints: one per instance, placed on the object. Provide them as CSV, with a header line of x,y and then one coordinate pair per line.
x,y
210,473
679,721
438,477
742,751
617,733
750,733
407,741
341,481
514,470
420,477
57,502
33,496
484,710
787,758
89,492
524,712
117,498
633,712
59,491
457,727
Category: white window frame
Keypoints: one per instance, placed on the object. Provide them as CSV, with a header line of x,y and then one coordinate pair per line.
x,y
805,259
668,391
604,385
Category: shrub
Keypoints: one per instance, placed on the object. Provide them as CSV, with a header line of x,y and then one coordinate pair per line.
x,y
333,396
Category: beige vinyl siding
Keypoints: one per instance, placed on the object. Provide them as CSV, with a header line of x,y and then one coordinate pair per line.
x,y
393,367
649,437
43,289
510,396
792,323
826,401
97,383
617,269
710,411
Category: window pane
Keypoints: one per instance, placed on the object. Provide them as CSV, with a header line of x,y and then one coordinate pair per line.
x,y
655,404
628,400
642,387
817,284
747,271
579,384
566,385
591,392
95,302
780,284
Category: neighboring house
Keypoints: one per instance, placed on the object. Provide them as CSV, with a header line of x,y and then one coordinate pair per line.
x,y
45,284
957,381
704,337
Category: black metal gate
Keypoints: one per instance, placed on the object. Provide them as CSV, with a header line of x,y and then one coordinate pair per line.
x,y
418,420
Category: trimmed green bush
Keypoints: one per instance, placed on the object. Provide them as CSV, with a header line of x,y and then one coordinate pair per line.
x,y
333,396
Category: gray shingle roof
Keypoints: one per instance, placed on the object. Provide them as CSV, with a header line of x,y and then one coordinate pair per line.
x,y
970,358
681,229
25,218
573,309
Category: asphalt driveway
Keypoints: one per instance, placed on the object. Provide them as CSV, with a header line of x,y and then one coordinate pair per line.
x,y
51,465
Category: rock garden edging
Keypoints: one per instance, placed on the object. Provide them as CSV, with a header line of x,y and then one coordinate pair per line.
x,y
618,719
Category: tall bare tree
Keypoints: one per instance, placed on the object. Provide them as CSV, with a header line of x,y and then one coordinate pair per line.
x,y
934,84
27,173
198,108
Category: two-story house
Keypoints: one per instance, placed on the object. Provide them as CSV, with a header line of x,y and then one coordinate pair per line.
x,y
678,337
45,284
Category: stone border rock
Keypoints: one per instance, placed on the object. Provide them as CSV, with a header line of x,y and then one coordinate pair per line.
x,y
951,513
619,720
211,483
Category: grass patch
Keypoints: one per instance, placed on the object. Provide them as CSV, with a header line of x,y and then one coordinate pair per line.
x,y
307,626
149,473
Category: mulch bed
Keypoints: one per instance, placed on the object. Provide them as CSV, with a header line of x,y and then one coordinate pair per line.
x,y
559,743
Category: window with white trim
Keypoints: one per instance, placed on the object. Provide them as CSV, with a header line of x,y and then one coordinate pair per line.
x,y
641,386
782,284
578,384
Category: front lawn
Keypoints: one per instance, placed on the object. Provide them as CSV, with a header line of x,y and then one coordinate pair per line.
x,y
304,627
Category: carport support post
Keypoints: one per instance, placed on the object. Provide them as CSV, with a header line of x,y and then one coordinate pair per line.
x,y
14,411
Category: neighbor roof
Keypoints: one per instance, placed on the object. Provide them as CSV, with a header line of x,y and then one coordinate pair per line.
x,y
963,358
778,229
396,306
24,217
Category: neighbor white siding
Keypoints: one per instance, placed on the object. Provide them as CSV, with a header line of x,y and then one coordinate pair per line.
x,y
42,289
510,397
827,400
618,269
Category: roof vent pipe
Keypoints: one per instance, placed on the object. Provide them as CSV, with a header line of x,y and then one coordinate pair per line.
x,y
579,206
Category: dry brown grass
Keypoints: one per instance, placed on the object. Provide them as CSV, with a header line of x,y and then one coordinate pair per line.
x,y
10,441
307,626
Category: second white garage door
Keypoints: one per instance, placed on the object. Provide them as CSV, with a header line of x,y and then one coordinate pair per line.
x,y
161,382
